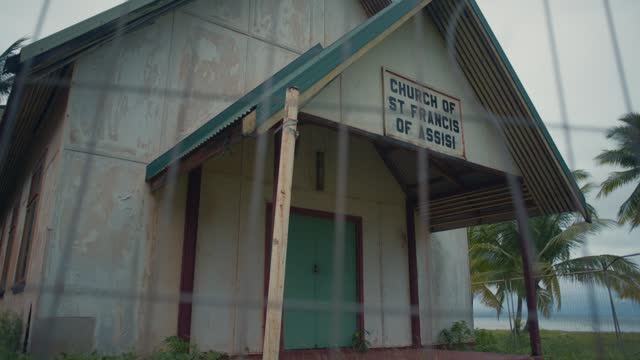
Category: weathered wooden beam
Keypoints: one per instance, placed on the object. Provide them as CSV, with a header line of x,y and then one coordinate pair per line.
x,y
189,253
282,201
412,261
529,256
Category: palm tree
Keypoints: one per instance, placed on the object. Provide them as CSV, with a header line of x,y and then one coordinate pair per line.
x,y
626,156
494,252
6,79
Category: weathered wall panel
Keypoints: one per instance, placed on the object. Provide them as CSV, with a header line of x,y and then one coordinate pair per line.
x,y
99,240
264,60
206,74
161,277
230,251
287,22
216,256
415,50
395,276
231,13
443,281
117,99
168,78
340,17
123,242
326,104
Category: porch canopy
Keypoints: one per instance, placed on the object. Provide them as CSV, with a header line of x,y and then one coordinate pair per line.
x,y
461,193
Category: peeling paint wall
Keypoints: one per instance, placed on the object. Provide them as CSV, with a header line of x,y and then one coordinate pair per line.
x,y
229,278
100,242
130,100
135,97
158,310
230,249
444,283
416,50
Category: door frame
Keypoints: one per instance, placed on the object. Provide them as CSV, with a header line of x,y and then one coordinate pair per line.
x,y
356,220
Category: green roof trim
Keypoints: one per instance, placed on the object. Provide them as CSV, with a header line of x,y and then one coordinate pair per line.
x,y
225,118
337,53
303,73
532,108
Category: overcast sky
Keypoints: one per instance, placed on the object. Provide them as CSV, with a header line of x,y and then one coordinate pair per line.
x,y
592,88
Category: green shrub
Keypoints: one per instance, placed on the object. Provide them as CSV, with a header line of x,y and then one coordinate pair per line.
x,y
486,341
10,335
12,355
359,341
176,348
456,337
95,356
10,331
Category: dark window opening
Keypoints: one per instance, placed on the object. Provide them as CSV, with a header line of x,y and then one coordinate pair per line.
x,y
28,232
9,246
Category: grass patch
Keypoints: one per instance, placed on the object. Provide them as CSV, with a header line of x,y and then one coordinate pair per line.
x,y
561,345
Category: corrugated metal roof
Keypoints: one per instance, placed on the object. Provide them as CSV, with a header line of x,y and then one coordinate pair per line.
x,y
498,88
62,47
493,79
478,52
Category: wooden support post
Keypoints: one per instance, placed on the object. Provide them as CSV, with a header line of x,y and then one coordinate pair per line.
x,y
282,203
189,252
526,249
412,261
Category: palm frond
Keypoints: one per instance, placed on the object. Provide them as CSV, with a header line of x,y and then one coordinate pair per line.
x,y
623,157
490,299
617,179
627,133
6,80
544,300
581,175
11,50
629,212
5,85
548,278
622,275
572,237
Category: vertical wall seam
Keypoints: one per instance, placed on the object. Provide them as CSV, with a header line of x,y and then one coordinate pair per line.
x,y
165,98
381,281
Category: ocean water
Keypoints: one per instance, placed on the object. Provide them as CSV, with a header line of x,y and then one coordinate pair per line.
x,y
566,323
582,309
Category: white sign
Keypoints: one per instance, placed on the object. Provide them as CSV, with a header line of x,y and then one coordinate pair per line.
x,y
421,115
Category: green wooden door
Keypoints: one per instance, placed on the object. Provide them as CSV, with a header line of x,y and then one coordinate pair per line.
x,y
308,281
